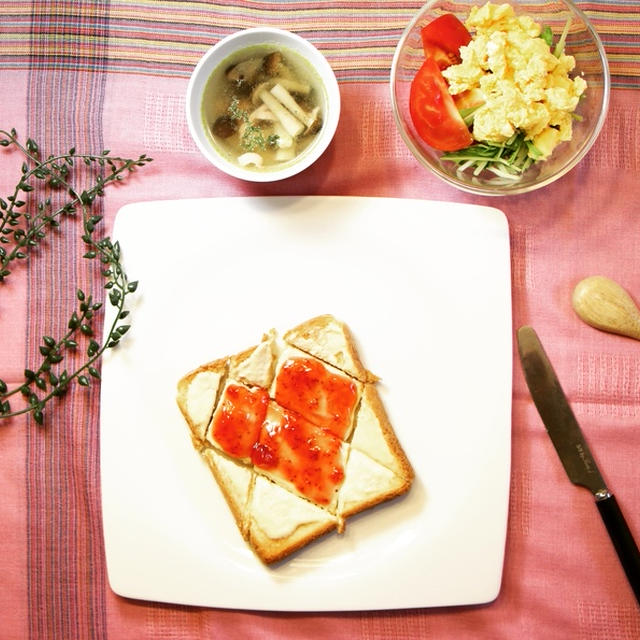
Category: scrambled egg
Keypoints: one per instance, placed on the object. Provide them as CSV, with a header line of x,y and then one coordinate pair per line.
x,y
523,85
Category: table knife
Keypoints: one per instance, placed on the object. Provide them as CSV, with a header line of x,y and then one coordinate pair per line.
x,y
572,448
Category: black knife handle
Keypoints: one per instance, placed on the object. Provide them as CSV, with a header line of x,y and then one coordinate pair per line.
x,y
622,540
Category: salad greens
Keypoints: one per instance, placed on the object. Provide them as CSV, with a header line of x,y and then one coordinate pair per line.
x,y
547,35
508,159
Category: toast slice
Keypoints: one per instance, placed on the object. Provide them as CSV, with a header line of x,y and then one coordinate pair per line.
x,y
296,436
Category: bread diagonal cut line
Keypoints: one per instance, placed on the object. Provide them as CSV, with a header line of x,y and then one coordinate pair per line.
x,y
274,507
374,436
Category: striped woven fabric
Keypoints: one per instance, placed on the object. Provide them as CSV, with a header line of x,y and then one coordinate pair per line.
x,y
166,37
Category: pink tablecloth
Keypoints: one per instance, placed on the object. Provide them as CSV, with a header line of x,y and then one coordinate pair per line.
x,y
113,75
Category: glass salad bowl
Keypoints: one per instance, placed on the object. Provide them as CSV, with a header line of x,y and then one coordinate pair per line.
x,y
582,42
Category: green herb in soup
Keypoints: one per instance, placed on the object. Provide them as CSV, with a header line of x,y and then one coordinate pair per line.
x,y
263,107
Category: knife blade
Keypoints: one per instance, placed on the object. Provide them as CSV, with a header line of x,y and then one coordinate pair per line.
x,y
573,450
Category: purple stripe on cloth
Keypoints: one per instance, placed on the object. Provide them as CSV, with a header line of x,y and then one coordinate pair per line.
x,y
65,555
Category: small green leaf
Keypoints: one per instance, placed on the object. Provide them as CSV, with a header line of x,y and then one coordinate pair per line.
x,y
83,380
547,35
93,348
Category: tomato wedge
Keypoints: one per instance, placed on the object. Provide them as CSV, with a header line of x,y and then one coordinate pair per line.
x,y
442,39
433,111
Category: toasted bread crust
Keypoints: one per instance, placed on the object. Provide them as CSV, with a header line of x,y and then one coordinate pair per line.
x,y
271,551
308,337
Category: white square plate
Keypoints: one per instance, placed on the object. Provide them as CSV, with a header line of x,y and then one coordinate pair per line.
x,y
425,288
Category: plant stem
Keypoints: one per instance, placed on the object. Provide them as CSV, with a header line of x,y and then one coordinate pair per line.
x,y
54,171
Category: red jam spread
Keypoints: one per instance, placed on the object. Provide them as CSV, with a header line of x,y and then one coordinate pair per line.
x,y
298,436
299,452
237,422
322,397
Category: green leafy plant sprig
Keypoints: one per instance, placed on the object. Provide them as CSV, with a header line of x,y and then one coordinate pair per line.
x,y
24,224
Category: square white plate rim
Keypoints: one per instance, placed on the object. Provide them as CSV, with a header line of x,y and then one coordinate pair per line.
x,y
425,287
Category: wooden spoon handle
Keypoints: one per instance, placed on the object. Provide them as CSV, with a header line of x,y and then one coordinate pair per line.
x,y
604,304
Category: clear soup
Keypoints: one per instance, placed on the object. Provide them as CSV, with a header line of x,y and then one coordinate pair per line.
x,y
263,107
